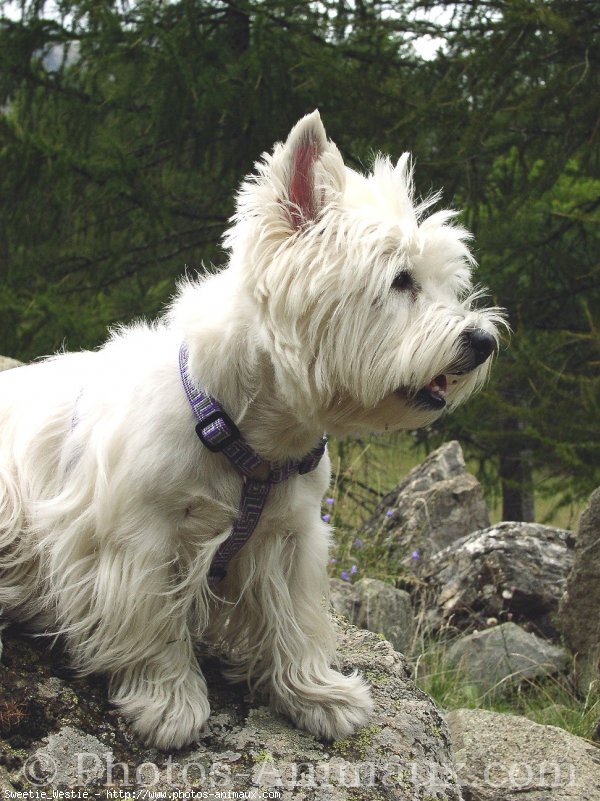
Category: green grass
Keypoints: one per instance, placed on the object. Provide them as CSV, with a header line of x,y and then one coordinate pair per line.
x,y
551,701
364,471
381,462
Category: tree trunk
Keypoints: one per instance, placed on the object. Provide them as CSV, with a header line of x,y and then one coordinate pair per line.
x,y
516,477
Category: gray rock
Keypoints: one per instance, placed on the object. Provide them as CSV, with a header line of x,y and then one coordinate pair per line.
x,y
580,607
509,571
506,757
6,363
344,598
63,732
504,655
7,788
437,503
68,758
374,605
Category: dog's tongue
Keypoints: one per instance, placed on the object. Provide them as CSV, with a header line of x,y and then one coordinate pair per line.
x,y
433,395
438,384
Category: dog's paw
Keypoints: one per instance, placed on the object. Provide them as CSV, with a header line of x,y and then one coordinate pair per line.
x,y
170,718
175,727
335,710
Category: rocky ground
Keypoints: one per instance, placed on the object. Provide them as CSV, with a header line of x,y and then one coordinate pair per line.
x,y
489,596
58,733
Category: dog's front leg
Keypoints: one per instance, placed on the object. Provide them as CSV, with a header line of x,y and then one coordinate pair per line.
x,y
286,637
165,697
125,613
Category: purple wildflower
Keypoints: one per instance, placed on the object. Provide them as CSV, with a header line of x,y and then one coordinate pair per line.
x,y
345,576
326,518
353,569
389,513
329,501
415,555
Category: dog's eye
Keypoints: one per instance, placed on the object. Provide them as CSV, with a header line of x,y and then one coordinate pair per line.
x,y
403,282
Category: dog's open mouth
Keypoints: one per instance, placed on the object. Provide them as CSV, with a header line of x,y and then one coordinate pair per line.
x,y
433,396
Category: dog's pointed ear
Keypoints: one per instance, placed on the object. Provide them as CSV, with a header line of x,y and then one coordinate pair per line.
x,y
311,166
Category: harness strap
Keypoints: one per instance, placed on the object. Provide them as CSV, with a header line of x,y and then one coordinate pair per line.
x,y
219,434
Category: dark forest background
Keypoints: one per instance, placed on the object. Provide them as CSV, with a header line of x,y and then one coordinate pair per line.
x,y
126,127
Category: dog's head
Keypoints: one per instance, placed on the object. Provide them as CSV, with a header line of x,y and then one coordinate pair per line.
x,y
365,302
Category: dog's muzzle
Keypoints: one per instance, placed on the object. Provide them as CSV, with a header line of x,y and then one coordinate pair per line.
x,y
477,346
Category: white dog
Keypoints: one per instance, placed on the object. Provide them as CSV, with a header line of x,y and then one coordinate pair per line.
x,y
343,309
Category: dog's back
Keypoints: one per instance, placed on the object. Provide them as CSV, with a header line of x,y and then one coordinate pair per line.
x,y
36,410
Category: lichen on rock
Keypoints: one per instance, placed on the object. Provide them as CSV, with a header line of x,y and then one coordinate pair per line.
x,y
68,736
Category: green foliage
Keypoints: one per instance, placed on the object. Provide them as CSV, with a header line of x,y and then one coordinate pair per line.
x,y
364,471
126,127
518,143
550,701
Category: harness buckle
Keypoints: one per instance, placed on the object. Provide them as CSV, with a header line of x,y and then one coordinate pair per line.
x,y
210,440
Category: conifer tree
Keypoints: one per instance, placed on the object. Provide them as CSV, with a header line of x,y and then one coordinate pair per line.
x,y
126,127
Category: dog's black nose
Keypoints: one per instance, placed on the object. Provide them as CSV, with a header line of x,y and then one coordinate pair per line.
x,y
482,344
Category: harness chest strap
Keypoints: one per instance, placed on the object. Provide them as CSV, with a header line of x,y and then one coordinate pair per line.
x,y
219,434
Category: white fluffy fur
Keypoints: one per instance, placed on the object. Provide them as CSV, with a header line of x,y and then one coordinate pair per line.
x,y
110,507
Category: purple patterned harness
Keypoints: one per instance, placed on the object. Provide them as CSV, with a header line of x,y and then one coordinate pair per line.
x,y
219,434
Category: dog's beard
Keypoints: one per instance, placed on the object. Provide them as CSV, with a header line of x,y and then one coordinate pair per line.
x,y
416,403
399,410
393,413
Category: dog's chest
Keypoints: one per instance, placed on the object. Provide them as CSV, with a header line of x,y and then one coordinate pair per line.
x,y
209,512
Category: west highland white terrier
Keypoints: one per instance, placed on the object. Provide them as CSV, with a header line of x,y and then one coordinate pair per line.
x,y
167,488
